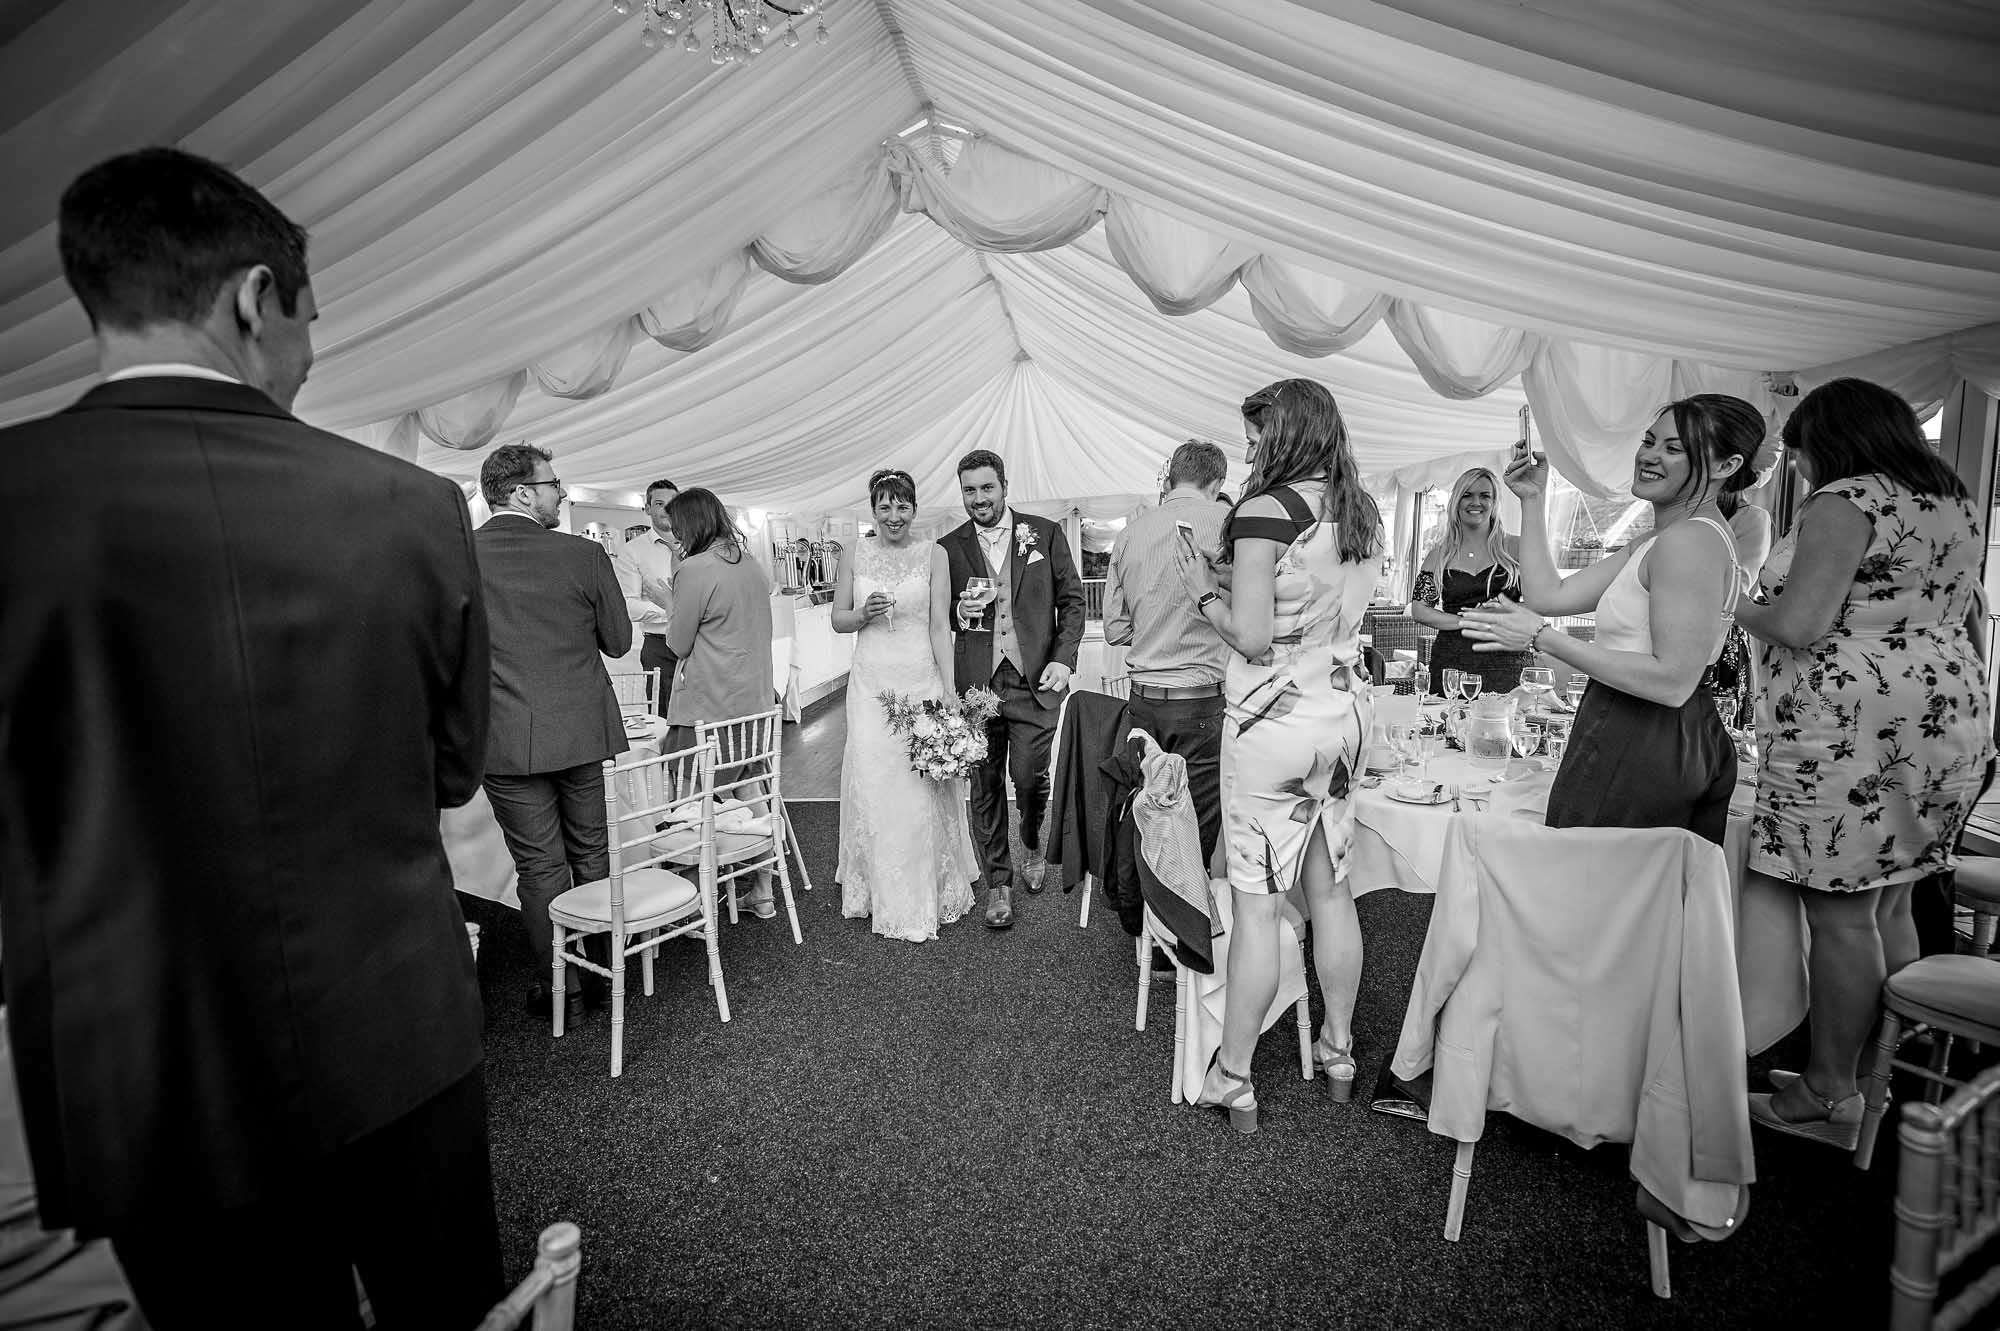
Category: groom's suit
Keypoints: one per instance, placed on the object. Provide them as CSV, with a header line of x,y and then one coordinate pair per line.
x,y
1037,619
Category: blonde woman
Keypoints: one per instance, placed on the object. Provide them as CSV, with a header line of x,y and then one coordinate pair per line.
x,y
1473,562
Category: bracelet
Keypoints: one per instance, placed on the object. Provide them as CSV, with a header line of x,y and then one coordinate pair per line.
x,y
1536,636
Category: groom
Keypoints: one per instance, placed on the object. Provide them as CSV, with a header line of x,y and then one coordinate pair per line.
x,y
1022,645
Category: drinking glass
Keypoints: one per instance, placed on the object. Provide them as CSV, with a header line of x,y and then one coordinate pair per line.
x,y
1402,743
1524,736
983,590
1469,685
1573,695
1552,749
1430,740
1543,681
1450,681
1725,707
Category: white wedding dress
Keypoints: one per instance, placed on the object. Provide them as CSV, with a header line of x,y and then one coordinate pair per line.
x,y
905,852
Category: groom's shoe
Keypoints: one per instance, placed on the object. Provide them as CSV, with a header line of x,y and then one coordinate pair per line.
x,y
1034,869
999,908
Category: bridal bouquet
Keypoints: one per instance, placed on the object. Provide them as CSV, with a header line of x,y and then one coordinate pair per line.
x,y
947,739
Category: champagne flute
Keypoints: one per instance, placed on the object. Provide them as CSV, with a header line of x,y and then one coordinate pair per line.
x,y
1450,682
1469,685
980,595
1430,739
1725,707
1401,737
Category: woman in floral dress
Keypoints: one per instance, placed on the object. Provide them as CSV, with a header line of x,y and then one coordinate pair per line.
x,y
1302,546
1873,718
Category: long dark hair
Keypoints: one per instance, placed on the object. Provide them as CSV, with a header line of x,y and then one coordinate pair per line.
x,y
1301,437
1714,426
699,521
1850,427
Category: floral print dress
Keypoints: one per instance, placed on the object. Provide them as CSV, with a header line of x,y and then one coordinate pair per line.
x,y
1876,736
1297,719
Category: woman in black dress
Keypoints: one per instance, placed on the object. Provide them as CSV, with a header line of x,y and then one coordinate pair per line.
x,y
1474,561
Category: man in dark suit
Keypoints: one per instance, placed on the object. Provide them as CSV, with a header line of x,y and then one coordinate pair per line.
x,y
242,665
1019,639
554,604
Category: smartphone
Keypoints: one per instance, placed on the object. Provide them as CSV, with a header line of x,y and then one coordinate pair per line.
x,y
1522,447
1185,530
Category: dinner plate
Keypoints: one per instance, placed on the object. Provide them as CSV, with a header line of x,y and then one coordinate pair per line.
x,y
638,725
1416,795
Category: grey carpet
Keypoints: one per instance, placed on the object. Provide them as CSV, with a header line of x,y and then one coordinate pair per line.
x,y
970,1133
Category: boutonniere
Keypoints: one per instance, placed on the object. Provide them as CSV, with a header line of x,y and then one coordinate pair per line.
x,y
1024,538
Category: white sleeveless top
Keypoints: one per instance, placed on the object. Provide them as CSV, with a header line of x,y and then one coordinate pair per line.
x,y
1625,611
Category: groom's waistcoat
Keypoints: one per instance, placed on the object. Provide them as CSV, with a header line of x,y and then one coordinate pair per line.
x,y
1006,646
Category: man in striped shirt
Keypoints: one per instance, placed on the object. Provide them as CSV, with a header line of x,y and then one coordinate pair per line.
x,y
1174,659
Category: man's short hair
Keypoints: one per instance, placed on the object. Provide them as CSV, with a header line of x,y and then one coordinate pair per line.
x,y
662,484
983,457
1198,463
152,237
506,467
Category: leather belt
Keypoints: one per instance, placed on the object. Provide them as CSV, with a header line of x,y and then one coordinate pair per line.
x,y
661,636
1175,692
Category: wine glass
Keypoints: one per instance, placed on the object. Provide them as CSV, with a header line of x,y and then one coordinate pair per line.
x,y
1450,681
1543,681
1402,743
980,593
1469,685
1573,695
1725,707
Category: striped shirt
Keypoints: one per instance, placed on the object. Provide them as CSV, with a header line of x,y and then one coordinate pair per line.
x,y
1146,606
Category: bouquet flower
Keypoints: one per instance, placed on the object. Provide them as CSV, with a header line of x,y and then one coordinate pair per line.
x,y
947,738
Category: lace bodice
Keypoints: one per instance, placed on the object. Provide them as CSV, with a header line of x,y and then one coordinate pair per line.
x,y
895,652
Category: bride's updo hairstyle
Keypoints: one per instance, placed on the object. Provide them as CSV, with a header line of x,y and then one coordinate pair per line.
x,y
1714,427
891,484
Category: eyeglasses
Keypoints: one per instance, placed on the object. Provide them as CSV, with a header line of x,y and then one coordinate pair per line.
x,y
550,481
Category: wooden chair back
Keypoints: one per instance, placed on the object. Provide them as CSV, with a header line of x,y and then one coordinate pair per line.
x,y
548,1293
1947,1207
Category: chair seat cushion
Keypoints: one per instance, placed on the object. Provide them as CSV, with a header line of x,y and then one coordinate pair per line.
x,y
650,894
684,846
1960,994
1977,880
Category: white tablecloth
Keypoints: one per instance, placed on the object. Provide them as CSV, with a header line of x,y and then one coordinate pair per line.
x,y
480,863
1402,845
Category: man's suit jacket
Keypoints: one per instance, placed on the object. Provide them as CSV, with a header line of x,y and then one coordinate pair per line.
x,y
554,605
242,664
1048,603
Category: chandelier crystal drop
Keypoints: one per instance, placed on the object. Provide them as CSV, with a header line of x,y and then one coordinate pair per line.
x,y
738,30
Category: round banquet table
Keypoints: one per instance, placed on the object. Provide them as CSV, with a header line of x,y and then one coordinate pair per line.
x,y
1402,846
480,863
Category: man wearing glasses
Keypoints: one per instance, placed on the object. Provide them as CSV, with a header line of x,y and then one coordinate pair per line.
x,y
553,606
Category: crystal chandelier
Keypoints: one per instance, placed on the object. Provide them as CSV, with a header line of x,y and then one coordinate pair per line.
x,y
737,30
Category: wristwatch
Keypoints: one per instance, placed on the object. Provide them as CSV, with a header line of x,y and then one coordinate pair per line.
x,y
1201,602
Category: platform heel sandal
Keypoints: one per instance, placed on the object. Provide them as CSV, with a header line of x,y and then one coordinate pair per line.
x,y
1223,1089
1336,1064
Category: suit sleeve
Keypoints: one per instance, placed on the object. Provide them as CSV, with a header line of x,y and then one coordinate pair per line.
x,y
614,626
458,721
1069,600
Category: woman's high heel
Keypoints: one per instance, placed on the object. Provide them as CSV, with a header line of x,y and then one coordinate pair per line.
x,y
1336,1064
1838,1125
1223,1089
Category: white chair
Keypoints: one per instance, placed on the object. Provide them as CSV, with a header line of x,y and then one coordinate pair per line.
x,y
547,1293
637,691
640,904
1634,927
1947,1208
1189,1069
747,775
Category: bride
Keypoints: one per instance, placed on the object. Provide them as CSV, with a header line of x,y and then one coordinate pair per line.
x,y
905,854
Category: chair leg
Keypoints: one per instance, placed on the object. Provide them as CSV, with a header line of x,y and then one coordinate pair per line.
x,y
1183,985
785,886
715,970
1305,1039
1656,1257
617,1003
792,840
1083,911
1461,1179
1875,1088
646,960
556,982
1145,979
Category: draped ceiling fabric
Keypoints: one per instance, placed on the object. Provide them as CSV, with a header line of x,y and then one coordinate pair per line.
x,y
524,226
